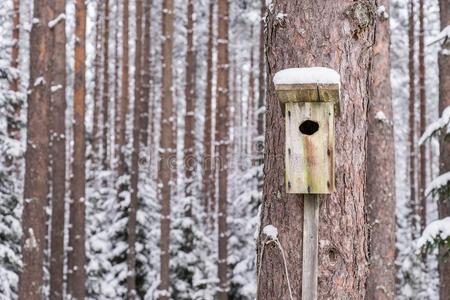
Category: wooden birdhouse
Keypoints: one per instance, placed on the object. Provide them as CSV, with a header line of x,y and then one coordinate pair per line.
x,y
309,97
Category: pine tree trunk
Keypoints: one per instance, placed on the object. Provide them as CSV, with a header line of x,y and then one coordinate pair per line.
x,y
13,122
251,103
76,276
207,132
444,163
115,133
380,173
167,154
189,118
97,77
343,43
58,151
105,104
261,77
123,107
131,255
146,77
422,98
412,118
36,159
222,140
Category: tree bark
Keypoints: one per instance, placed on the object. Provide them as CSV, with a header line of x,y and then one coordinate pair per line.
x,y
262,74
189,118
422,120
131,255
222,140
444,161
105,104
14,120
146,77
97,77
123,107
115,133
251,103
36,158
58,151
167,153
380,173
207,164
412,118
76,274
302,39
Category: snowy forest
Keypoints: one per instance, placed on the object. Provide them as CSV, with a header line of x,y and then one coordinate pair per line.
x,y
225,149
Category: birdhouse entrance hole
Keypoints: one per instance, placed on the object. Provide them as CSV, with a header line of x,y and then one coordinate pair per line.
x,y
309,127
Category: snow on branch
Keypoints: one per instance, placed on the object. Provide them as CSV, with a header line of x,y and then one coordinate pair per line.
x,y
438,185
55,21
435,234
437,126
443,35
317,75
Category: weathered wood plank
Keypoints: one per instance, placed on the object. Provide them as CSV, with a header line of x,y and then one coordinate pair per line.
x,y
310,158
310,247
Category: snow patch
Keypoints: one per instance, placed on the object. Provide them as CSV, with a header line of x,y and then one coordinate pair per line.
x,y
436,126
438,183
319,75
439,228
444,34
55,21
271,231
380,116
382,12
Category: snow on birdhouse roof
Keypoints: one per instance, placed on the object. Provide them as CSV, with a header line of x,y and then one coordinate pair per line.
x,y
319,75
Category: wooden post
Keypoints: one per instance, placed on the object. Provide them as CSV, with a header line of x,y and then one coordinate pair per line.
x,y
310,97
310,247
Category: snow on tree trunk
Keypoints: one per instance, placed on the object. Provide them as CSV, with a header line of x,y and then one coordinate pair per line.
x,y
58,150
380,202
222,140
36,158
166,151
76,276
297,36
208,173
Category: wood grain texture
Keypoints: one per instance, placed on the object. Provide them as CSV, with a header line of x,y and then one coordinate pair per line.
x,y
310,247
309,158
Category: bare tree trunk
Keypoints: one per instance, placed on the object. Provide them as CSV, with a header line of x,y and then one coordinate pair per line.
x,y
97,79
76,274
123,107
131,256
251,102
115,133
36,158
380,174
97,75
261,77
13,122
342,43
167,153
222,140
189,118
412,118
444,163
58,151
207,131
146,77
105,108
422,120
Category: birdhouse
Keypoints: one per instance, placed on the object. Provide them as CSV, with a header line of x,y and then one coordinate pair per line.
x,y
309,98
